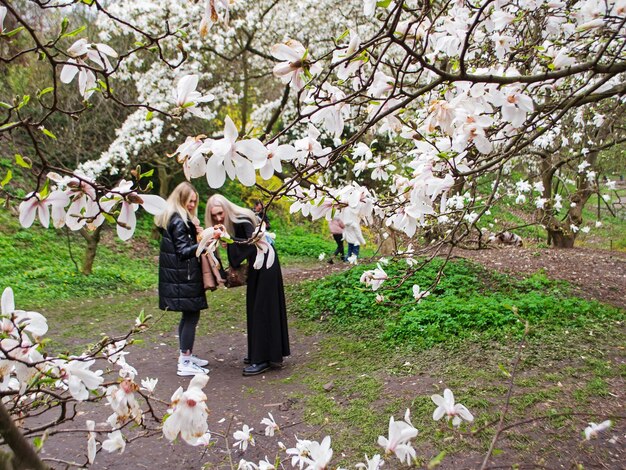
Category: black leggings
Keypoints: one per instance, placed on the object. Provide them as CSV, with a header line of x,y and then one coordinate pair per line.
x,y
339,241
187,330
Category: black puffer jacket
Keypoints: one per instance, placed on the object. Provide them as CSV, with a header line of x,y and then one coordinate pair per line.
x,y
180,275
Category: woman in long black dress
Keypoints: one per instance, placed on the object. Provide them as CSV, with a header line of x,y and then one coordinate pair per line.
x,y
266,312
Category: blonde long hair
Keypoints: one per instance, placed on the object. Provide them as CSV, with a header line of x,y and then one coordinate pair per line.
x,y
233,214
177,203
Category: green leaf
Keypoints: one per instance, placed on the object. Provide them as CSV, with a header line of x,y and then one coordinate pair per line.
x,y
504,371
5,105
64,23
497,452
87,2
13,33
74,32
45,91
6,179
383,3
23,162
7,125
48,133
343,35
24,102
37,443
149,116
437,460
147,174
45,190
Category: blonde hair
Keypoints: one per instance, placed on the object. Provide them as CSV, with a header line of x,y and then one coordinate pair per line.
x,y
233,214
177,203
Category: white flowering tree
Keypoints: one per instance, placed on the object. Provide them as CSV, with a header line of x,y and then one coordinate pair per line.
x,y
459,91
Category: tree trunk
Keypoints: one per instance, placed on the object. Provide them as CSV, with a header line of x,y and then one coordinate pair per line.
x,y
92,238
24,456
561,239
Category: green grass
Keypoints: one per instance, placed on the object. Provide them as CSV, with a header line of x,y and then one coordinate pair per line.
x,y
469,303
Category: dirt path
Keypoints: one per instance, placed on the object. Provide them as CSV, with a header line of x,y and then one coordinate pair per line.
x,y
596,274
235,400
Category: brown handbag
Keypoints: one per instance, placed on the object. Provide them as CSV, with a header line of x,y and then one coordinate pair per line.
x,y
211,276
238,276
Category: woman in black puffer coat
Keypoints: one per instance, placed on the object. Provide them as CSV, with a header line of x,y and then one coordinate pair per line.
x,y
180,275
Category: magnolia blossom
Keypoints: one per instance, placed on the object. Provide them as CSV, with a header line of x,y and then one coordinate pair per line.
x,y
593,430
374,277
319,454
130,201
299,453
91,441
13,321
295,67
79,52
187,98
419,294
75,374
115,441
276,154
188,412
203,440
149,384
123,401
374,464
514,105
214,11
398,442
237,159
446,407
270,425
243,437
3,14
347,67
369,7
35,205
263,247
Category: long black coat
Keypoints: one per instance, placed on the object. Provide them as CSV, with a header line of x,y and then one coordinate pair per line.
x,y
266,311
180,275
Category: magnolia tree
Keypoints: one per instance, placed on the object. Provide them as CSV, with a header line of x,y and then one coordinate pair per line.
x,y
457,92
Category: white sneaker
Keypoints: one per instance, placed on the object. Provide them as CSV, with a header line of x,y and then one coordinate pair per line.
x,y
187,368
196,360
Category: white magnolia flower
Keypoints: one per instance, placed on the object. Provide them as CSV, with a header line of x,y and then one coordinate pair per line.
x,y
123,402
446,407
374,277
79,52
214,11
594,429
35,205
3,14
319,454
243,437
237,159
321,256
115,441
91,441
299,453
75,374
188,412
369,7
149,384
398,442
374,464
276,154
130,202
419,294
270,425
353,259
13,321
203,440
187,97
296,66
